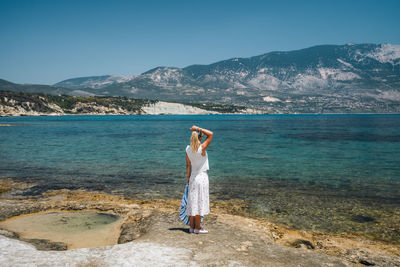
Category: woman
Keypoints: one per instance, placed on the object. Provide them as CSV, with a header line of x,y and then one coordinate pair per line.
x,y
196,167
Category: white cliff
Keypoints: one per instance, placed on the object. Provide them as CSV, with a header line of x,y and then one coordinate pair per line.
x,y
173,108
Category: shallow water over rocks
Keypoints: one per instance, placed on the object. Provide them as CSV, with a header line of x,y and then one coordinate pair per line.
x,y
75,229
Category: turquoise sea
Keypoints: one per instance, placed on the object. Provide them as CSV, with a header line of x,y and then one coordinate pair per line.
x,y
335,173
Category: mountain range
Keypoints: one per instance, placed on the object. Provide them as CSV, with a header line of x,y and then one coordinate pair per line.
x,y
319,79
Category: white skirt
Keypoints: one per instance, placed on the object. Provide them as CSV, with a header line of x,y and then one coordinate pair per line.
x,y
198,195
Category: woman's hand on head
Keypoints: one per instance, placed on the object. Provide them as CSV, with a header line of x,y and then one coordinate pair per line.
x,y
194,128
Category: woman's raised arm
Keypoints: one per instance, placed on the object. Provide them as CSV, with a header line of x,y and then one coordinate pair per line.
x,y
208,133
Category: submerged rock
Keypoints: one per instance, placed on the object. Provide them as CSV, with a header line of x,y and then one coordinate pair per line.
x,y
301,243
362,219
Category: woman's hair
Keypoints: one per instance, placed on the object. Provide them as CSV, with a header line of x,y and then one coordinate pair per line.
x,y
194,141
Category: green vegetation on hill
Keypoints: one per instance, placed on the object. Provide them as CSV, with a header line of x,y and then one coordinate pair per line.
x,y
43,103
22,102
28,101
129,104
219,107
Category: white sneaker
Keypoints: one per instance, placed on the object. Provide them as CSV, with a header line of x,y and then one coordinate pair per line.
x,y
200,231
191,230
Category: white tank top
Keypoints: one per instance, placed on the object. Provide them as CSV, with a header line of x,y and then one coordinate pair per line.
x,y
199,163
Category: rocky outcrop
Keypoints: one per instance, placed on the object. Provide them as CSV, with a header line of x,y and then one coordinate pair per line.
x,y
233,239
135,227
25,104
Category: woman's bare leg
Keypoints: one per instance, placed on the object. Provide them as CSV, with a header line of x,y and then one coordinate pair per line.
x,y
191,220
198,221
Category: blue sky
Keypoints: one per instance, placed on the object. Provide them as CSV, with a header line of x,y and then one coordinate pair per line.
x,y
49,41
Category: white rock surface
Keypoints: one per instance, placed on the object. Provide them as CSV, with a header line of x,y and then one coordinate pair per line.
x,y
17,253
270,99
173,108
387,53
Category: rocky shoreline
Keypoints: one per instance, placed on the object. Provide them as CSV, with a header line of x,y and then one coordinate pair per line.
x,y
248,241
30,104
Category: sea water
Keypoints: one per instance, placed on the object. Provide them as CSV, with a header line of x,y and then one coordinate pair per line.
x,y
325,172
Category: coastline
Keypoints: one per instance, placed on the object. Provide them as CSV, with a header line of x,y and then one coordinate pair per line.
x,y
11,115
248,238
21,104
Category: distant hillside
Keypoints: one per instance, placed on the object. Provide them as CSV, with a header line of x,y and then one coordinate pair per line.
x,y
321,79
19,103
32,88
326,78
94,82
